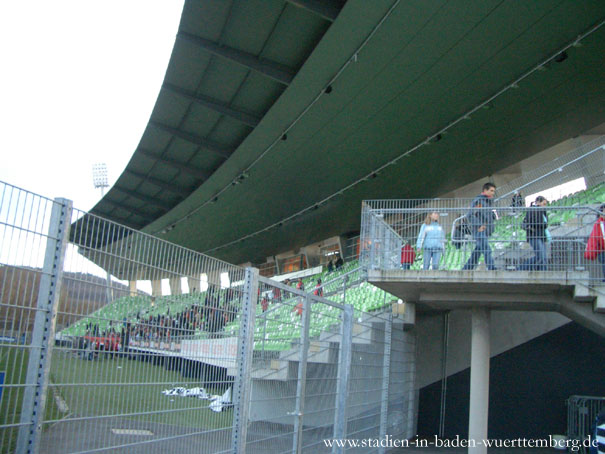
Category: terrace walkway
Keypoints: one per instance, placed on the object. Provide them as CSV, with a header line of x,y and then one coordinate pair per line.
x,y
566,292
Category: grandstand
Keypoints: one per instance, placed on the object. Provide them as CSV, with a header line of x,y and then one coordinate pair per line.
x,y
287,134
135,310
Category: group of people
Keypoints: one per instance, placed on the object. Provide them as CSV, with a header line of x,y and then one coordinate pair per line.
x,y
336,265
481,223
211,315
274,296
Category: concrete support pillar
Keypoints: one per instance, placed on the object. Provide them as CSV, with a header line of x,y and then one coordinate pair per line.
x,y
479,392
594,180
214,278
175,286
195,284
156,287
132,286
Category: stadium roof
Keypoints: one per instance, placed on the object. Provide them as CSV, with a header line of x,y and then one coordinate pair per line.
x,y
277,118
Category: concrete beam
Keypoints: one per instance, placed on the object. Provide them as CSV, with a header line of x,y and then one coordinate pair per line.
x,y
134,211
194,283
156,287
328,9
567,292
215,105
209,145
150,200
186,168
132,286
273,70
175,286
160,184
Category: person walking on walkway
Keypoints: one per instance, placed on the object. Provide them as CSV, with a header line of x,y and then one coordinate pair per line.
x,y
481,220
535,225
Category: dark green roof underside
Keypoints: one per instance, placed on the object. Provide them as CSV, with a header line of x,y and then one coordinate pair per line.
x,y
428,64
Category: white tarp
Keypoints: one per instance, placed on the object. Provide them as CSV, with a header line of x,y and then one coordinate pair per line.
x,y
217,403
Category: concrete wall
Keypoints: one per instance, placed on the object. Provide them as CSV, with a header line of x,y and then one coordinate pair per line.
x,y
509,329
529,385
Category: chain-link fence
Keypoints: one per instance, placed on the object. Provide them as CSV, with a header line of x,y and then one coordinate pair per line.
x,y
113,340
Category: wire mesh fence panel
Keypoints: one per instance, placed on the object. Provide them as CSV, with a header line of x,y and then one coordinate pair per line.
x,y
143,360
30,241
381,396
582,412
373,370
292,377
116,341
478,234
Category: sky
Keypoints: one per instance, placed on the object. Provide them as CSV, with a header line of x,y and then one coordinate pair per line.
x,y
79,82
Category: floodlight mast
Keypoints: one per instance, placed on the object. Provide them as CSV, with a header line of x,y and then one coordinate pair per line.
x,y
99,176
99,179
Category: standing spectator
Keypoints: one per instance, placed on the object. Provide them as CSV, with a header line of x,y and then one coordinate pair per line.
x,y
407,256
300,284
535,225
517,201
339,263
431,240
481,220
319,290
264,304
276,294
595,248
330,266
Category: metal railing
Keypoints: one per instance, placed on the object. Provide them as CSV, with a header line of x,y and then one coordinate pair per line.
x,y
582,414
454,235
586,161
112,341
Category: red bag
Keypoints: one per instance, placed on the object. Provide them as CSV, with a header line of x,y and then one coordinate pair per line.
x,y
595,244
407,254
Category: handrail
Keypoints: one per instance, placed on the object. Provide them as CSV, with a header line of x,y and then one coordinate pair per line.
x,y
552,172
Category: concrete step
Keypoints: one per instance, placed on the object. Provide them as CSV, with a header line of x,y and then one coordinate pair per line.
x,y
361,335
323,350
276,370
319,352
599,304
583,294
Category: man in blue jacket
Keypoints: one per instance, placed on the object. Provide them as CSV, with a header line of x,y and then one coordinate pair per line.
x,y
481,221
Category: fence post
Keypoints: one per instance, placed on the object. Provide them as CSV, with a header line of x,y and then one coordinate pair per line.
x,y
386,375
342,384
245,347
373,244
43,336
301,385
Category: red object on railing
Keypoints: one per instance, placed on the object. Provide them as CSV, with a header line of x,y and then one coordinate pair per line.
x,y
596,243
407,254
